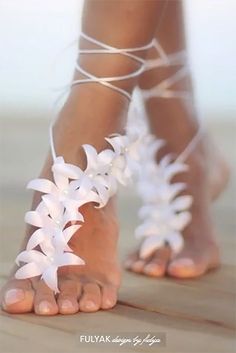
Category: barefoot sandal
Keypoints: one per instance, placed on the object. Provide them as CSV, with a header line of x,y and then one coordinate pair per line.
x,y
58,216
164,213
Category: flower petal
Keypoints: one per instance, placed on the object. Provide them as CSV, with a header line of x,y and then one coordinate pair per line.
x,y
70,231
165,161
103,193
43,185
175,189
36,238
91,155
180,221
50,278
175,241
85,185
54,206
146,229
61,181
70,259
47,247
118,143
173,169
59,241
106,156
182,203
31,256
34,218
29,270
72,212
69,171
149,245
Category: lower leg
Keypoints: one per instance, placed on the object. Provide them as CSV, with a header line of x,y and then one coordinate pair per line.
x,y
180,115
90,113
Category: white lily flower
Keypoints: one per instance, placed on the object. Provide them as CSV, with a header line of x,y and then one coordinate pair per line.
x,y
38,264
63,188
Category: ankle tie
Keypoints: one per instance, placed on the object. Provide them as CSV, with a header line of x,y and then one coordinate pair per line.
x,y
58,216
163,89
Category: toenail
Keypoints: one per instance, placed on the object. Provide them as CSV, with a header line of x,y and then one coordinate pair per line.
x,y
109,303
66,305
153,269
44,307
90,305
186,262
138,265
13,296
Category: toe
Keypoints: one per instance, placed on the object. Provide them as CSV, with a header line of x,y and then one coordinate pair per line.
x,y
185,268
91,298
67,300
45,302
17,296
130,260
156,267
109,296
138,265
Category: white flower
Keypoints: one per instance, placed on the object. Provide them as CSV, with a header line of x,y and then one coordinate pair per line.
x,y
52,214
47,265
165,214
127,154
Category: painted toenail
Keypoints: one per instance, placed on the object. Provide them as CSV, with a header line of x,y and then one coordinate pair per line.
x,y
154,269
66,305
109,303
185,262
90,305
13,296
138,265
44,307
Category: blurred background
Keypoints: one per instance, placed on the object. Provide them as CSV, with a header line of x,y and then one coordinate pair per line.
x,y
33,34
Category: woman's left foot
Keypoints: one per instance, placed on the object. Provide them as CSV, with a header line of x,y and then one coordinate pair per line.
x,y
200,252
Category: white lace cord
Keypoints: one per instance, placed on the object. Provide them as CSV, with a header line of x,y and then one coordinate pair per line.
x,y
163,89
105,81
58,216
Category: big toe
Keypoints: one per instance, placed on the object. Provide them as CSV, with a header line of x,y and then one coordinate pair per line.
x,y
17,296
157,265
185,268
44,302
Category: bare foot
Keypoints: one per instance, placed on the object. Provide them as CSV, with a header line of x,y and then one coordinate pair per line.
x,y
200,252
85,288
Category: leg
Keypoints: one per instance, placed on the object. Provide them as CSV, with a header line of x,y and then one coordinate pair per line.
x,y
95,285
174,121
